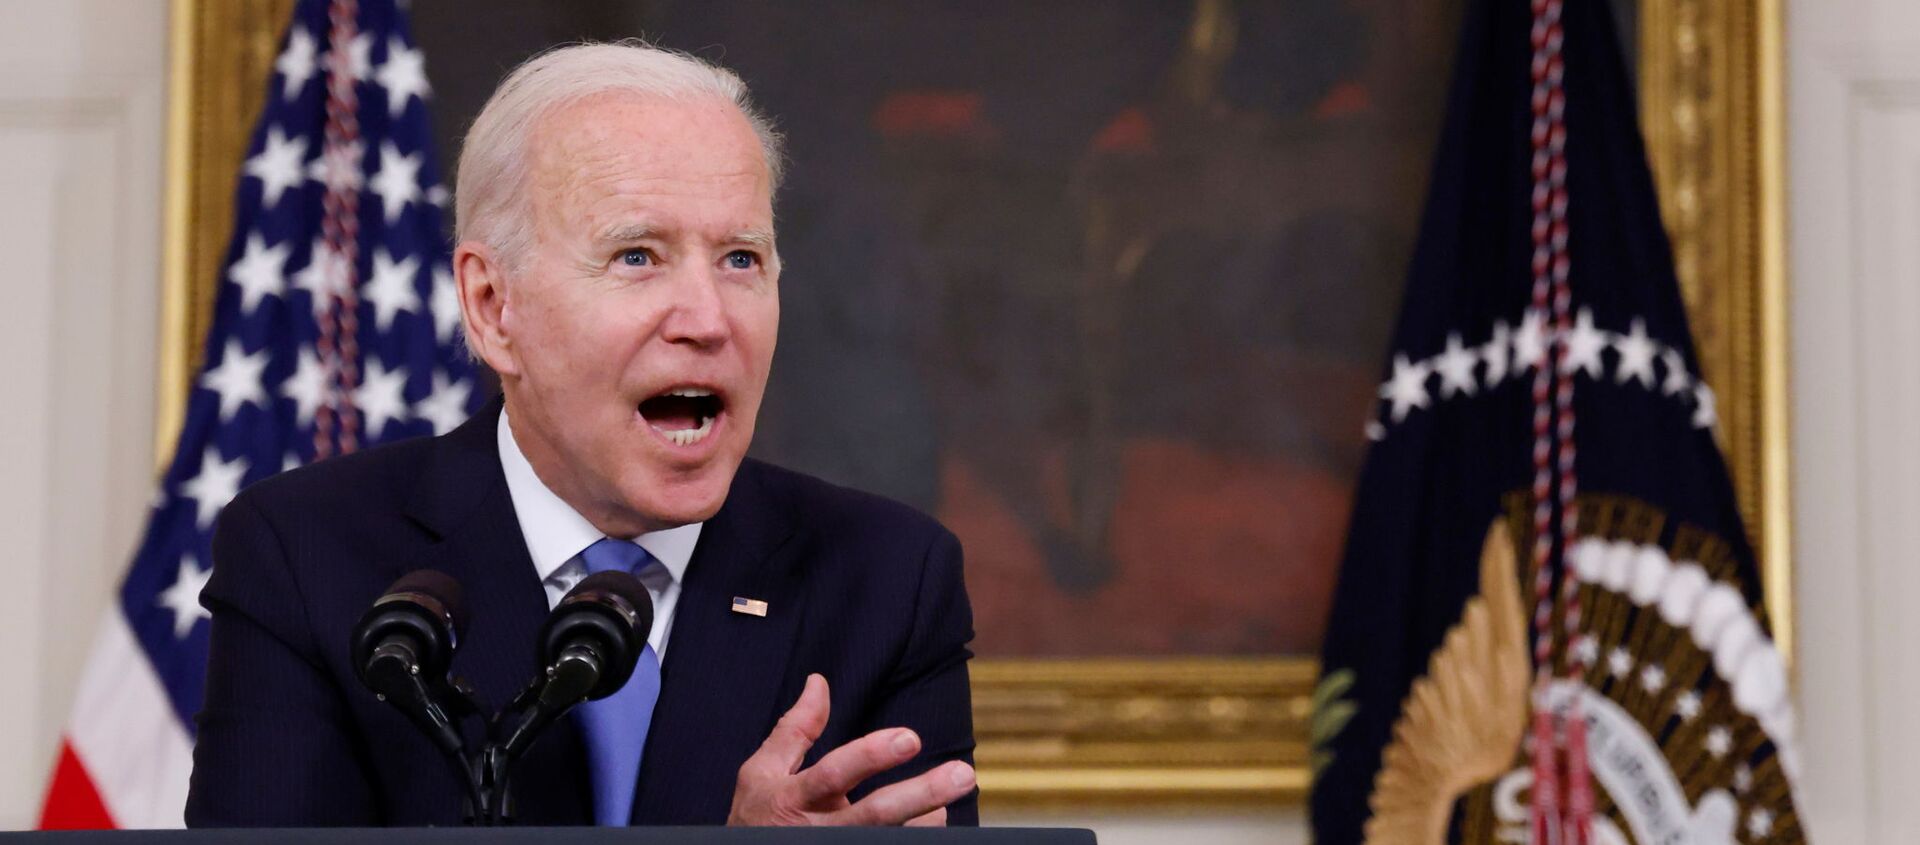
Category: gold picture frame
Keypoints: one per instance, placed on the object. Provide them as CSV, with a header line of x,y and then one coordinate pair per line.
x,y
1188,732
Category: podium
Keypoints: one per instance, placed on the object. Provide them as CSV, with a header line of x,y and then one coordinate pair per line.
x,y
573,836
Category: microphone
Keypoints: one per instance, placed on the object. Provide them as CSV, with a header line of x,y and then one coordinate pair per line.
x,y
404,644
588,648
403,647
593,638
413,629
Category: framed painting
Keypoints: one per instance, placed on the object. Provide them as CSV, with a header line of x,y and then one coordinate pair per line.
x,y
1104,286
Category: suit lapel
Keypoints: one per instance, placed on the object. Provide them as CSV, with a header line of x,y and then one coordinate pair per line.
x,y
724,679
463,502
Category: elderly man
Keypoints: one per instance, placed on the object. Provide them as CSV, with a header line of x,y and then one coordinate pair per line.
x,y
617,267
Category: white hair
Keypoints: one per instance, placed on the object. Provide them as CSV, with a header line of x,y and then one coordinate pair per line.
x,y
493,158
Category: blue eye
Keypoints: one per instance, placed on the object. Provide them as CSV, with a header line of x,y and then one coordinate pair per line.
x,y
741,259
636,258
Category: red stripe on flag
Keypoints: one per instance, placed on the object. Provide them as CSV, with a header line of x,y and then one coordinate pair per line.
x,y
72,801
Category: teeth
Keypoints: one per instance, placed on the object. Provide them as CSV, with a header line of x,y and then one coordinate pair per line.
x,y
688,436
690,391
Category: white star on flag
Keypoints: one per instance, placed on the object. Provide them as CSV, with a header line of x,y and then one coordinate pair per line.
x,y
1759,823
278,165
1506,352
308,387
445,305
1636,355
1587,649
446,406
391,289
1584,343
1677,381
261,270
1719,741
1687,705
324,276
215,486
296,65
1619,662
1408,387
1494,352
404,76
183,598
1530,343
342,164
1455,367
359,57
1653,678
380,396
398,181
237,379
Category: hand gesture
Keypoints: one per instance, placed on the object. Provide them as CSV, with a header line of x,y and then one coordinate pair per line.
x,y
773,790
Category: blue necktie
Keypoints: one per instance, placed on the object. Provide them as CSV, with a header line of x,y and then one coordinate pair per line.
x,y
616,726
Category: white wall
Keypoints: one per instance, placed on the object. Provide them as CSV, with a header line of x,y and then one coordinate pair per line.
x,y
1854,201
82,86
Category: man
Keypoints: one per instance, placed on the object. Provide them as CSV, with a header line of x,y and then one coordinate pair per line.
x,y
617,268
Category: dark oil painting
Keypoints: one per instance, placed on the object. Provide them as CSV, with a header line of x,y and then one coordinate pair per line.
x,y
1105,285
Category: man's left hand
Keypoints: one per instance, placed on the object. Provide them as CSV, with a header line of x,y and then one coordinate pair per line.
x,y
773,790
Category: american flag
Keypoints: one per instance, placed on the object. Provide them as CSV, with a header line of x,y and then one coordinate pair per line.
x,y
336,327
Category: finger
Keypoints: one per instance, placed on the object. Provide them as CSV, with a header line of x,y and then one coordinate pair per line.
x,y
937,818
846,767
896,803
796,731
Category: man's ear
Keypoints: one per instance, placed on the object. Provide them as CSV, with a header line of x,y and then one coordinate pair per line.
x,y
480,278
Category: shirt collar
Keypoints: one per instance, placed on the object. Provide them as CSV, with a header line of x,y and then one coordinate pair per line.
x,y
555,532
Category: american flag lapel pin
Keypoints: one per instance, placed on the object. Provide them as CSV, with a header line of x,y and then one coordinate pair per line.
x,y
750,607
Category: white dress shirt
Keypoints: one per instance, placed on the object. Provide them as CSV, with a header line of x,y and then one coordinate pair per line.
x,y
557,534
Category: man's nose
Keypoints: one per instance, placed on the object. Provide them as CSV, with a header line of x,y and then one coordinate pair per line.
x,y
699,314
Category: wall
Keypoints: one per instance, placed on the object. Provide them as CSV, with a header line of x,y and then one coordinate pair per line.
x,y
82,87
1854,201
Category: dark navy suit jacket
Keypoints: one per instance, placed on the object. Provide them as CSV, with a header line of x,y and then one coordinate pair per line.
x,y
862,590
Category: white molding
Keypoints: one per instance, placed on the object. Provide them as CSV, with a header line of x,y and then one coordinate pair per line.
x,y
1854,211
82,87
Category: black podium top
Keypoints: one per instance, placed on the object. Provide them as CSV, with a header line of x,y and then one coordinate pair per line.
x,y
573,836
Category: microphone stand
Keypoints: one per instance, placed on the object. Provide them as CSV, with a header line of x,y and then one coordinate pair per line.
x,y
486,772
550,696
427,703
483,771
578,667
464,704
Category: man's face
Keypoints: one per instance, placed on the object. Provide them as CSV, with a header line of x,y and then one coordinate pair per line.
x,y
636,337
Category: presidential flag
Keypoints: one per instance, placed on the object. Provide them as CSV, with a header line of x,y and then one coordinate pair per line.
x,y
335,328
1548,625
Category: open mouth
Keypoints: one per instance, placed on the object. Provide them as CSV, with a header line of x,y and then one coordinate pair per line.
x,y
683,415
